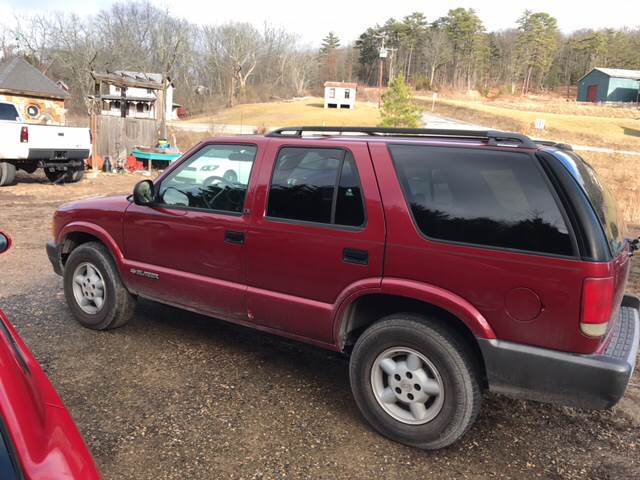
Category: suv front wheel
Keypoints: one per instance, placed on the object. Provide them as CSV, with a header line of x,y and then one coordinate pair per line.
x,y
93,289
415,381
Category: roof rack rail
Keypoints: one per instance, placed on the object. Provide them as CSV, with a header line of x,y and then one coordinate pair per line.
x,y
493,137
551,143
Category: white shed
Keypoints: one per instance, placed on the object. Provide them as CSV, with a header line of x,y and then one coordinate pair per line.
x,y
340,95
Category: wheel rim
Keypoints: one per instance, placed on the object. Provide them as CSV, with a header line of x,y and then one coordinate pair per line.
x,y
407,385
88,288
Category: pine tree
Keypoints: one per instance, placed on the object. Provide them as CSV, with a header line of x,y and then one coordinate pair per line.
x,y
329,44
329,57
398,109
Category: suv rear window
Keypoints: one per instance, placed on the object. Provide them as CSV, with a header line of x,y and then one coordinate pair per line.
x,y
490,198
599,196
319,185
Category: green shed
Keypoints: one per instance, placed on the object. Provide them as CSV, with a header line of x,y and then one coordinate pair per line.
x,y
609,85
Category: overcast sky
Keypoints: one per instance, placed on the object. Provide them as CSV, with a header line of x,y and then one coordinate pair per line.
x,y
312,19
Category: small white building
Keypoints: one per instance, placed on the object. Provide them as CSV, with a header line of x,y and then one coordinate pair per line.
x,y
139,102
340,95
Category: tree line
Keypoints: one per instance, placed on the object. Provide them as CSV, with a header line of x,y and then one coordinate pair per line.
x,y
216,65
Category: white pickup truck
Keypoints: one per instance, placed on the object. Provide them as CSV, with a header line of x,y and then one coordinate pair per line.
x,y
59,150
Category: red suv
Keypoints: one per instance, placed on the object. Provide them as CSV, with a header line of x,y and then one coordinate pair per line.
x,y
444,263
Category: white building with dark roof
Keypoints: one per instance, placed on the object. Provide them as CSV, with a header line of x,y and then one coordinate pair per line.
x,y
142,95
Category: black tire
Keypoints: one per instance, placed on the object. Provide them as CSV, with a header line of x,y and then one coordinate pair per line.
x,y
7,173
454,362
56,176
77,174
230,176
119,304
71,175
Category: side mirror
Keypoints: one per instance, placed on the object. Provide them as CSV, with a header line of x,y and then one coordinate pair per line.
x,y
144,193
5,242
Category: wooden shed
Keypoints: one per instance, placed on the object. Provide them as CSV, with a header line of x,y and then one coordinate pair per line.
x,y
609,85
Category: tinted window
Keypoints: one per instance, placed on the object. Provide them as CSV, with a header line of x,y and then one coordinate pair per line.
x,y
488,198
318,185
8,112
349,203
599,196
214,178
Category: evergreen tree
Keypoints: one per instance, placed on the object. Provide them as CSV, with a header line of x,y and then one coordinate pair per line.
x,y
537,44
329,57
329,43
398,108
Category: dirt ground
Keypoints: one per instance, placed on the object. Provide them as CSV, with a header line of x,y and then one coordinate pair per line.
x,y
177,395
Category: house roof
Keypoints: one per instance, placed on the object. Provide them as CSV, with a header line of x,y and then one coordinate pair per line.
x,y
617,73
340,84
18,76
124,78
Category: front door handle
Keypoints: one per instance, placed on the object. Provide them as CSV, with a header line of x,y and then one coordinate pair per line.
x,y
353,255
232,236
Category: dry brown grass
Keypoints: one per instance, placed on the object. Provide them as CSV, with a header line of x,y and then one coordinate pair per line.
x,y
620,173
616,133
565,107
309,111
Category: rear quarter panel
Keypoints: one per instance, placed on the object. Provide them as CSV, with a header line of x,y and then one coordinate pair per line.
x,y
487,277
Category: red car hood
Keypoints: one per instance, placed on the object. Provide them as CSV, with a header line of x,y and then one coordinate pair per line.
x,y
41,432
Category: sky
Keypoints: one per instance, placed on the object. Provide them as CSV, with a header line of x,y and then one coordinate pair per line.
x,y
312,20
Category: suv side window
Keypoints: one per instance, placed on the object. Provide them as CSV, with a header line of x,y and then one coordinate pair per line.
x,y
319,185
214,178
491,198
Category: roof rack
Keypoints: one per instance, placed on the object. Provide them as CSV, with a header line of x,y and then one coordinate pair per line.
x,y
493,137
551,143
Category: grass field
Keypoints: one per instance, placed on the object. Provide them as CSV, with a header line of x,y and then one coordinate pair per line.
x,y
586,129
309,111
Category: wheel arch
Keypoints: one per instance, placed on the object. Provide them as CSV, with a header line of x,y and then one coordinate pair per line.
x,y
75,234
360,312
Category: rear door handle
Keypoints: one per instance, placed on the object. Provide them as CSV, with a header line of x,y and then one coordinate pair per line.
x,y
353,255
232,236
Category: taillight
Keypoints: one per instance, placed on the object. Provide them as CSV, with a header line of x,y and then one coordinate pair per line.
x,y
24,134
597,303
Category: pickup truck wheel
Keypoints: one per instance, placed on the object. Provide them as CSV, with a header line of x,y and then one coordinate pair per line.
x,y
7,173
93,289
56,176
415,381
76,174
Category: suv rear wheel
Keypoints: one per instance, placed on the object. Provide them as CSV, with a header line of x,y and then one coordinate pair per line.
x,y
93,289
415,381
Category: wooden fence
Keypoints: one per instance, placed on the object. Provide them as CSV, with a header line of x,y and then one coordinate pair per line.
x,y
118,136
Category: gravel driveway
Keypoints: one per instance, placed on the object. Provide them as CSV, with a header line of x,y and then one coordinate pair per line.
x,y
175,395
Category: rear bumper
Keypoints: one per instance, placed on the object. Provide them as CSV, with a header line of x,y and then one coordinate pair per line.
x,y
586,381
59,155
53,252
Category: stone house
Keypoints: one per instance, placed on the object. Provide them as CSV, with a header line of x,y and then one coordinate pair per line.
x,y
38,99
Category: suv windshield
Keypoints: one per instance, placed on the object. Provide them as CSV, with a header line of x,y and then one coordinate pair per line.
x,y
600,197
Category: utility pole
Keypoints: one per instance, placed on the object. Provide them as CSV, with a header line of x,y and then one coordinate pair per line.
x,y
382,56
